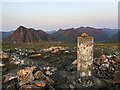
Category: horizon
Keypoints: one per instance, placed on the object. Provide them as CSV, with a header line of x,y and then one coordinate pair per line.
x,y
60,28
50,16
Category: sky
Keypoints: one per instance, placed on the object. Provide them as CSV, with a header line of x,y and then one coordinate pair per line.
x,y
57,15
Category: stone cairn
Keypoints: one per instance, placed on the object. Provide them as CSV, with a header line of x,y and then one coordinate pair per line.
x,y
85,59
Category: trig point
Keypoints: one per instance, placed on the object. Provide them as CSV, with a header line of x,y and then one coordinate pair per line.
x,y
85,59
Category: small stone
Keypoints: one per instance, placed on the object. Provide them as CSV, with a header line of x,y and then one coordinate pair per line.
x,y
82,74
47,56
48,73
17,63
103,58
47,68
55,51
104,66
35,55
67,52
109,56
40,83
71,87
113,62
53,69
31,51
20,50
22,62
74,62
106,60
89,73
38,74
97,62
117,53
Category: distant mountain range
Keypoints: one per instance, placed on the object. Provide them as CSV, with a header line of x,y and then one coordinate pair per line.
x,y
72,34
23,34
5,34
110,32
116,37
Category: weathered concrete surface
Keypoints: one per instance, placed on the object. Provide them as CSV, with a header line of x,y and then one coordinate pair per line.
x,y
85,57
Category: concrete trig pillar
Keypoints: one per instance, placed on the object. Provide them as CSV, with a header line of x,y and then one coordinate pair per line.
x,y
85,59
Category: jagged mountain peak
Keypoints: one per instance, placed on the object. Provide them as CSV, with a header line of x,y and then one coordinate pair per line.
x,y
23,34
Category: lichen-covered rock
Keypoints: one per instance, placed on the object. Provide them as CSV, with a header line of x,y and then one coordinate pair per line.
x,y
28,79
25,75
24,72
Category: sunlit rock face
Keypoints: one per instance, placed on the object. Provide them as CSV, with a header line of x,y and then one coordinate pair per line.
x,y
85,57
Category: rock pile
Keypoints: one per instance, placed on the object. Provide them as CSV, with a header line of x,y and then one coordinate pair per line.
x,y
106,72
49,70
54,70
29,77
105,66
15,59
54,49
